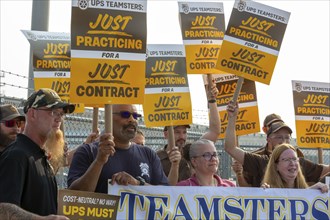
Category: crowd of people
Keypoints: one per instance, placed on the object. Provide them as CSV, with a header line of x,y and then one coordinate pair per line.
x,y
33,151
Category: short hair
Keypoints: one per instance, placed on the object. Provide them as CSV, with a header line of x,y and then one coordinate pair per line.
x,y
194,146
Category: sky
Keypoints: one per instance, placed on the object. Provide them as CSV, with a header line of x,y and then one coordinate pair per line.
x,y
304,54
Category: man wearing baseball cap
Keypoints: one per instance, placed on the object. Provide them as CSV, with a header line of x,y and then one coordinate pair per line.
x,y
9,124
243,177
176,168
269,120
255,164
27,179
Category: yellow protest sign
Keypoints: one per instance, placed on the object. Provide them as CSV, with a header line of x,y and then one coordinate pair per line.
x,y
248,116
202,27
312,112
108,40
252,41
81,205
167,99
52,62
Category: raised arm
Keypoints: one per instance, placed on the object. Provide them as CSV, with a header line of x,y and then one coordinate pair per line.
x,y
214,121
88,181
231,146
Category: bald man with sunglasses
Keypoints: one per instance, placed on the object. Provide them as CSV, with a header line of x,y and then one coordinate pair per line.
x,y
116,157
9,125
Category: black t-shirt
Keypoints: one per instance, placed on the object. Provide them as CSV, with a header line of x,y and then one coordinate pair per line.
x,y
26,178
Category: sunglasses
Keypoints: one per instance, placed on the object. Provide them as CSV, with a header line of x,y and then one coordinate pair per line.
x,y
127,114
11,123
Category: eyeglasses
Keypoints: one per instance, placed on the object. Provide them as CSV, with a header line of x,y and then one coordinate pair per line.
x,y
282,138
127,114
11,123
292,159
54,113
208,155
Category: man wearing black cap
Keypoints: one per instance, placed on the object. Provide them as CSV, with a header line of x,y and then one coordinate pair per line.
x,y
176,168
27,179
255,164
9,124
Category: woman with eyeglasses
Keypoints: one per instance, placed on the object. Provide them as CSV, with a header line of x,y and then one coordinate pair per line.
x,y
204,159
284,171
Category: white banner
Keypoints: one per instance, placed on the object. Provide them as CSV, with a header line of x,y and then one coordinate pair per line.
x,y
178,202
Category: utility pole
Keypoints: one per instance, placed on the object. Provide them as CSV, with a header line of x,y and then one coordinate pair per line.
x,y
39,22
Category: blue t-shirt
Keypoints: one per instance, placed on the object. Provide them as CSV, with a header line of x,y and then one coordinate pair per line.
x,y
136,161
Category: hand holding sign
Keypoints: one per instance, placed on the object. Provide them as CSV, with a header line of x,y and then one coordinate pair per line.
x,y
232,109
106,148
174,155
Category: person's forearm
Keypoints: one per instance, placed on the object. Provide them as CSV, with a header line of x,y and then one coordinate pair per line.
x,y
173,175
231,143
88,181
230,136
241,180
214,124
10,211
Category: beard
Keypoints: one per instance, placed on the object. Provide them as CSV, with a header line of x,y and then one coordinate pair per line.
x,y
5,140
54,146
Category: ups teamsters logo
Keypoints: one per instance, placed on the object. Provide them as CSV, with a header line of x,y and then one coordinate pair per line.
x,y
241,6
147,52
185,8
83,4
32,36
298,87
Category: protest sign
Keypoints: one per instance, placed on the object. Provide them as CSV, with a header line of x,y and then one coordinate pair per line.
x,y
312,112
202,28
248,115
252,41
81,205
108,41
167,98
52,62
203,202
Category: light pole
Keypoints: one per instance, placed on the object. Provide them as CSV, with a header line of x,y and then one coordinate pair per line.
x,y
39,22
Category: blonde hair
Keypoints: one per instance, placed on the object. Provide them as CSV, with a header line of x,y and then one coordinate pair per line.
x,y
273,177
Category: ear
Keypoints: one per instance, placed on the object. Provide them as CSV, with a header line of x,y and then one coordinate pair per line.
x,y
30,113
166,134
193,162
264,129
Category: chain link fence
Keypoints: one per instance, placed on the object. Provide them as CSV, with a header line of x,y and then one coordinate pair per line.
x,y
78,126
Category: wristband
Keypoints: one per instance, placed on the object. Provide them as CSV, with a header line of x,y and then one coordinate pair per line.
x,y
142,181
211,101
